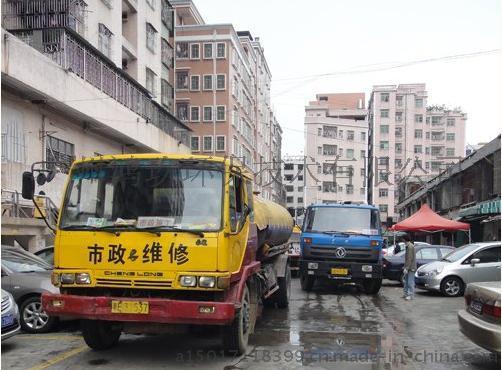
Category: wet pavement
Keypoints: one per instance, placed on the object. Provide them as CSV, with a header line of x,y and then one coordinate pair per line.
x,y
328,328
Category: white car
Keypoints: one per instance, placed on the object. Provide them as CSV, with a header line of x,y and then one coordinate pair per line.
x,y
10,316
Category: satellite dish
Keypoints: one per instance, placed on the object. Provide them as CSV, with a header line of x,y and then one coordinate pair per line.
x,y
41,179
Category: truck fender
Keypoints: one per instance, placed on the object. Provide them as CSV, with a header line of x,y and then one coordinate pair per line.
x,y
280,265
240,279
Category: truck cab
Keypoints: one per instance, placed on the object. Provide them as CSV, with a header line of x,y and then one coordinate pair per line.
x,y
342,242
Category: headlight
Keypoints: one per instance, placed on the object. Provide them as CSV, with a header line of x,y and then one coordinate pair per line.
x,y
67,278
435,272
207,281
188,281
82,278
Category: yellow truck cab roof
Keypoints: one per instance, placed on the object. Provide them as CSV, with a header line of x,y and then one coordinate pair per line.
x,y
228,161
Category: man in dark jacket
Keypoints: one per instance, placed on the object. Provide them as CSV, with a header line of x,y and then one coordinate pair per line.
x,y
410,266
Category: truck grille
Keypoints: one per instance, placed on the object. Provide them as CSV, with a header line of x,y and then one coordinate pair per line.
x,y
127,283
356,254
5,303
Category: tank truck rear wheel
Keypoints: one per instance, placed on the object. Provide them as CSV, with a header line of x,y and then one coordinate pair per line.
x,y
306,281
372,286
236,336
100,335
283,293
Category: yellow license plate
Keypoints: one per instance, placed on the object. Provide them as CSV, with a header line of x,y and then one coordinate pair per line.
x,y
339,271
130,307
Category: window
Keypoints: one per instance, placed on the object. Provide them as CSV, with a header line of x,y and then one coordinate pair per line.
x,y
418,134
436,120
384,113
383,176
450,121
363,154
220,112
182,80
182,111
195,144
398,163
363,172
288,177
399,116
427,150
289,166
349,189
166,15
382,193
150,81
220,50
194,114
328,187
59,151
363,136
436,150
450,152
166,53
450,136
300,199
384,129
181,50
194,51
383,161
166,93
399,100
384,145
220,82
419,118
350,135
427,135
319,150
399,147
208,113
208,143
208,82
105,40
194,82
417,149
419,103
319,169
290,188
319,131
150,37
350,153
220,143
300,189
427,165
340,134
384,97
208,51
340,152
398,132
427,254
290,199
383,208
488,255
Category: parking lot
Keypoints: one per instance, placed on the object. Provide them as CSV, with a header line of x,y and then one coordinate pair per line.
x,y
327,328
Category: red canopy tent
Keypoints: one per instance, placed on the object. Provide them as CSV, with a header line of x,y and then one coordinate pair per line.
x,y
425,219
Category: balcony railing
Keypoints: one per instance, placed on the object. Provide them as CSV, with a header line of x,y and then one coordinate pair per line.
x,y
75,55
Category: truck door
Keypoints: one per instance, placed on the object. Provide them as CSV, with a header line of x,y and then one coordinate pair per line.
x,y
237,221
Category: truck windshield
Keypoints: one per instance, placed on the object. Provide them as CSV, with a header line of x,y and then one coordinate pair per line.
x,y
342,220
143,194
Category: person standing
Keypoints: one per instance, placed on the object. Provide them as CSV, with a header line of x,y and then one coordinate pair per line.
x,y
410,266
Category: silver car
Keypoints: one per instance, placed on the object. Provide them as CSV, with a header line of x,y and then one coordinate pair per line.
x,y
470,263
10,316
480,320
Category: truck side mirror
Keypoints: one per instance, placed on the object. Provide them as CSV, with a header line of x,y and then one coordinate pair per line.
x,y
28,185
474,261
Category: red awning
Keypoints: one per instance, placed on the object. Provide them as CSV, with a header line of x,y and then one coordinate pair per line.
x,y
425,219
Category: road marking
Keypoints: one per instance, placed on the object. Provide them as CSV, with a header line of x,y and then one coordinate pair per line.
x,y
50,337
61,357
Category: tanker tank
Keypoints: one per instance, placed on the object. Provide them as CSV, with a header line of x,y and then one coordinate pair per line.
x,y
273,222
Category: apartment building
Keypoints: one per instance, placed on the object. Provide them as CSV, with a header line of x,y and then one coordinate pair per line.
x,y
294,174
336,131
83,78
223,94
409,142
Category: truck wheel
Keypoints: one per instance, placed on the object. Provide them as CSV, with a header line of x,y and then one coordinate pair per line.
x,y
100,335
282,295
236,335
372,286
306,281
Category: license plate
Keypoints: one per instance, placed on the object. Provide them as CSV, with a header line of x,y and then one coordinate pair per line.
x,y
339,271
130,307
476,307
7,320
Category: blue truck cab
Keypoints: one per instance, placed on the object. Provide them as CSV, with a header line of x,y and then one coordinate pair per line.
x,y
342,242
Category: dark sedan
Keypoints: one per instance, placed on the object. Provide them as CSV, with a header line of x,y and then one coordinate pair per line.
x,y
393,265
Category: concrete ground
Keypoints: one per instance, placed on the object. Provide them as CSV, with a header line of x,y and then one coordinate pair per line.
x,y
326,329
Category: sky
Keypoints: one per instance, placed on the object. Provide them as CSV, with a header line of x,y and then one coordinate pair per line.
x,y
307,38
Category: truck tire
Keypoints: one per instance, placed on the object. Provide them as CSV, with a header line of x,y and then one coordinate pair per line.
x,y
306,281
236,335
99,335
282,295
372,286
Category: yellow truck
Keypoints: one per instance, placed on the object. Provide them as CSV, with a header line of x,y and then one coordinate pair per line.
x,y
145,241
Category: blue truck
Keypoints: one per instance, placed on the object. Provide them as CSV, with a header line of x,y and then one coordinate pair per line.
x,y
342,242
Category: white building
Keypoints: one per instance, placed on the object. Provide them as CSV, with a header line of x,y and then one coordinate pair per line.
x,y
293,173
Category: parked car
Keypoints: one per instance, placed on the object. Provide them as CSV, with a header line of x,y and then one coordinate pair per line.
x,y
26,277
425,253
480,320
47,254
10,316
389,251
472,263
294,251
